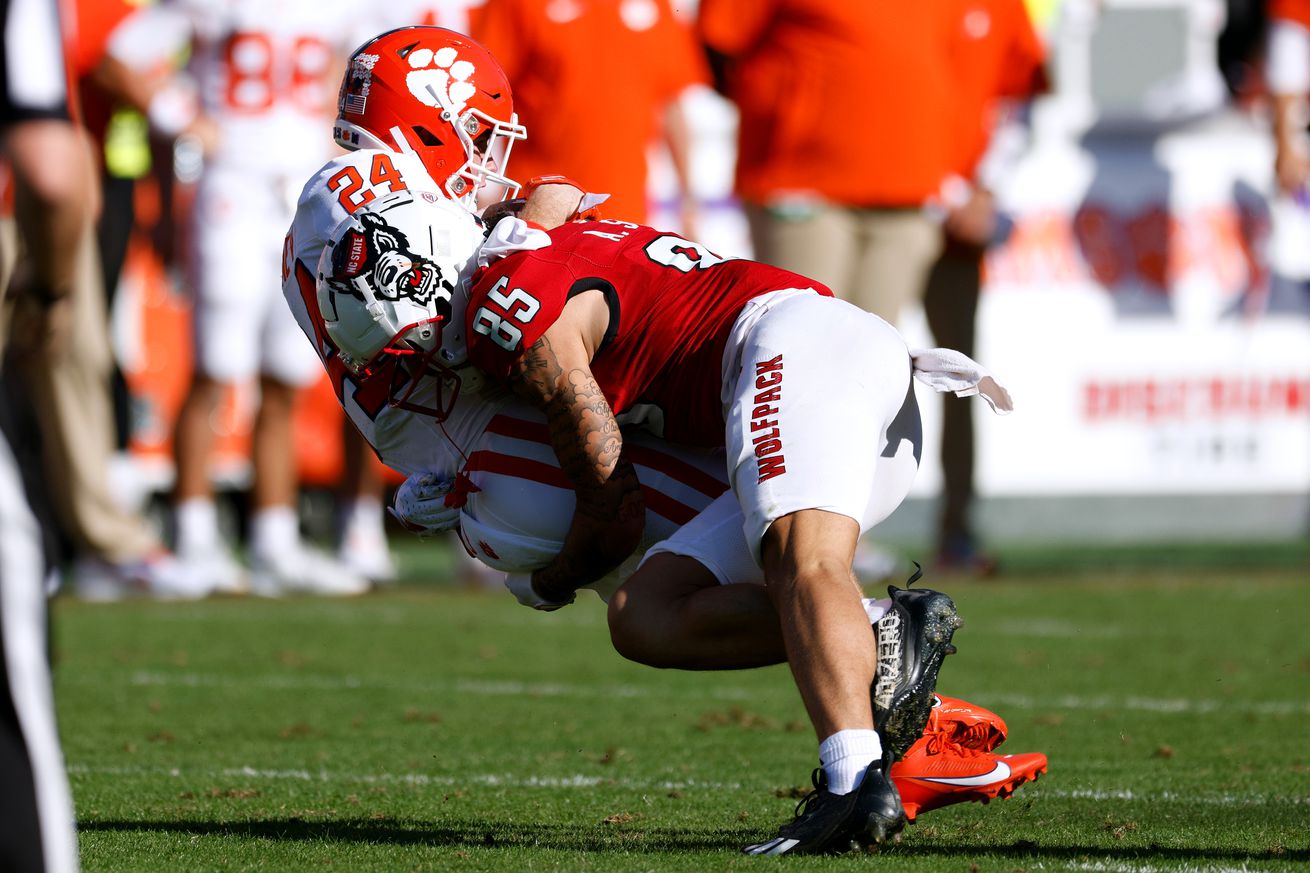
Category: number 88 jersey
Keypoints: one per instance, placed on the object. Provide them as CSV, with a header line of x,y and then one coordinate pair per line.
x,y
267,71
672,304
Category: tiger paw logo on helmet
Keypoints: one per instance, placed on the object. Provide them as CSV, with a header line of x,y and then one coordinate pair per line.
x,y
439,79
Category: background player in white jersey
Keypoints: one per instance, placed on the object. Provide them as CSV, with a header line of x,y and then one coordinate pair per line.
x,y
255,96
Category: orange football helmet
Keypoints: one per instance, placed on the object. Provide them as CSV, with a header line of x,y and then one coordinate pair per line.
x,y
437,94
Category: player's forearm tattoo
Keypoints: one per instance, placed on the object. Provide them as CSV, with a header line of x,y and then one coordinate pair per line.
x,y
538,372
584,432
582,427
589,445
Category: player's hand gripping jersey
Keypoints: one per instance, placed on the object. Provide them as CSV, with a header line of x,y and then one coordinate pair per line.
x,y
672,304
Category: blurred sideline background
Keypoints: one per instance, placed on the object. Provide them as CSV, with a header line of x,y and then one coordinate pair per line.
x,y
1150,311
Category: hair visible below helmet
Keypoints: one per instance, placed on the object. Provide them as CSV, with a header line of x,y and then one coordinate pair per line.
x,y
438,94
392,290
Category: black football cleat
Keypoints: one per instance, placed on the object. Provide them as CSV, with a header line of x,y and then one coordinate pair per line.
x,y
914,637
878,815
820,826
829,824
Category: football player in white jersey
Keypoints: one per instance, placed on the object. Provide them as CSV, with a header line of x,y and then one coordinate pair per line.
x,y
428,116
376,267
254,98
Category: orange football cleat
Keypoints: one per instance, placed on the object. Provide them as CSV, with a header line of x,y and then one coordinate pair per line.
x,y
966,723
938,772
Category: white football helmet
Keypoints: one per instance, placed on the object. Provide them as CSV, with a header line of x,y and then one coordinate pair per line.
x,y
506,547
392,291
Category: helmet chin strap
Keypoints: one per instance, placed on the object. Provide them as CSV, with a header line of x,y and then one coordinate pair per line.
x,y
450,439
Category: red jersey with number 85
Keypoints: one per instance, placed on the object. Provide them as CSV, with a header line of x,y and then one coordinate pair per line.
x,y
672,306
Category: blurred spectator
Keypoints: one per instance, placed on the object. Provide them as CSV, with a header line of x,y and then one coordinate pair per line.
x,y
1241,46
255,103
62,363
1000,65
124,156
844,135
37,829
1288,75
612,67
844,143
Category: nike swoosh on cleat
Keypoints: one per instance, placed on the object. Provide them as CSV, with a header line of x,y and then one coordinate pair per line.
x,y
999,773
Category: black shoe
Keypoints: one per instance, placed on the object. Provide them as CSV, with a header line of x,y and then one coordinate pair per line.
x,y
914,637
829,824
878,815
820,825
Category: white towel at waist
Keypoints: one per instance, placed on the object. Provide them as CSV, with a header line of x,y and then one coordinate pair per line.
x,y
949,370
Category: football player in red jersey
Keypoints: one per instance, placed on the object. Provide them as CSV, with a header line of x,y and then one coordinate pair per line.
x,y
363,291
604,323
382,268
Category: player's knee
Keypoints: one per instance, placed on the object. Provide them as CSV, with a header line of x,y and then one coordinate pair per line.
x,y
50,161
624,631
634,630
652,616
51,189
205,391
276,395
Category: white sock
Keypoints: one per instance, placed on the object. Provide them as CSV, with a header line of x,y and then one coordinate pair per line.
x,y
362,517
846,755
274,531
196,523
876,609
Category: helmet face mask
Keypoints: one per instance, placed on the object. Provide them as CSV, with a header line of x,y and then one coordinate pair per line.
x,y
436,94
446,383
387,283
490,151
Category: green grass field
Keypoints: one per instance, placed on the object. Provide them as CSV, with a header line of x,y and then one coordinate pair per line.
x,y
429,728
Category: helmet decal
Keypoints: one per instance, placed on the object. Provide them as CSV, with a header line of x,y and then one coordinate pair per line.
x,y
389,290
358,81
440,79
382,254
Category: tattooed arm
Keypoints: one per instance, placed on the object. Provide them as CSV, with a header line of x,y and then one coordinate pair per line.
x,y
555,376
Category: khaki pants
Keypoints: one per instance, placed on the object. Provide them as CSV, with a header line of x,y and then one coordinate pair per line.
x,y
877,259
951,305
70,395
884,260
